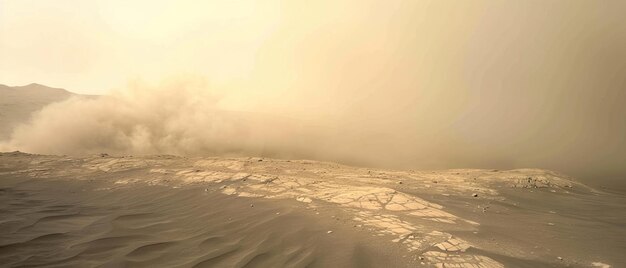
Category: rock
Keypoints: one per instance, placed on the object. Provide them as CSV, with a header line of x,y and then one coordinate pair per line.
x,y
304,199
475,195
400,182
560,259
329,232
251,205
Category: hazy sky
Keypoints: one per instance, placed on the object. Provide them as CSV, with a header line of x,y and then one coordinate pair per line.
x,y
93,46
512,83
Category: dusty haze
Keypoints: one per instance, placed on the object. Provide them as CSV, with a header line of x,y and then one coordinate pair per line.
x,y
408,84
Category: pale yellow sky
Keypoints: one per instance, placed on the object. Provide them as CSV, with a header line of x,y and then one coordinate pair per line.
x,y
501,79
93,46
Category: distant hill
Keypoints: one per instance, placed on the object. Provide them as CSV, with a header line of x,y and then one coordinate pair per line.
x,y
18,103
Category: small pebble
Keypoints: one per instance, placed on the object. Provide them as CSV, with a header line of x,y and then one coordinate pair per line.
x,y
329,232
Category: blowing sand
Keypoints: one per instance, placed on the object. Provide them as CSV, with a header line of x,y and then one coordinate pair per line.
x,y
259,212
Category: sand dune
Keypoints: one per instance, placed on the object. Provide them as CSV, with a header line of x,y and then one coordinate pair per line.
x,y
251,212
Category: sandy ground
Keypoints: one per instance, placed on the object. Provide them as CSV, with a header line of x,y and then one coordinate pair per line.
x,y
258,212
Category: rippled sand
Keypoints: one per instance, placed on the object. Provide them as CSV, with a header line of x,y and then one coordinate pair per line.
x,y
253,212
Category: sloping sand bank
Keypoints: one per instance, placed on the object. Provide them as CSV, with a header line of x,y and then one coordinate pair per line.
x,y
257,212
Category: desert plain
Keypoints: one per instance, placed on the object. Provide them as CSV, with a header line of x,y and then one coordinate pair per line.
x,y
104,210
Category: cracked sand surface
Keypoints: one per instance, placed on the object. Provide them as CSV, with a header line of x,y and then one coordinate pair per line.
x,y
374,198
373,205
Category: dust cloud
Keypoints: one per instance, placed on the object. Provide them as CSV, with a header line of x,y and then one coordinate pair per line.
x,y
186,117
179,116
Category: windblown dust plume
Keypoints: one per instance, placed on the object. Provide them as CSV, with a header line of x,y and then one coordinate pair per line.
x,y
188,117
180,117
